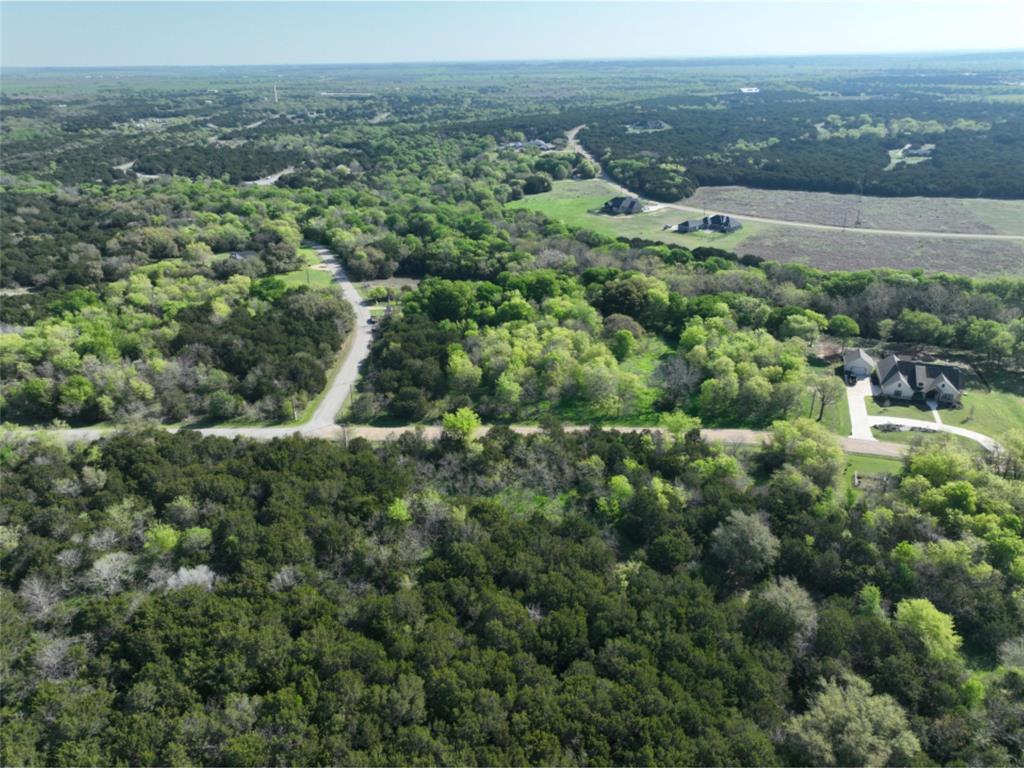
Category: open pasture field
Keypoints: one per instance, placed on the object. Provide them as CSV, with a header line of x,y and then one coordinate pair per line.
x,y
926,214
832,249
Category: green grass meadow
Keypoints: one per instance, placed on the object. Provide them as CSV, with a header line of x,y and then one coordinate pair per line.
x,y
314,278
576,203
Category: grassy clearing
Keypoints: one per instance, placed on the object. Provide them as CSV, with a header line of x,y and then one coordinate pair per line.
x,y
871,471
837,415
314,278
312,275
365,286
836,418
897,157
916,438
992,413
575,203
872,466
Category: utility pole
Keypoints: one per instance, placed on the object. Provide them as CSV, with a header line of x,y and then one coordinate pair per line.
x,y
275,93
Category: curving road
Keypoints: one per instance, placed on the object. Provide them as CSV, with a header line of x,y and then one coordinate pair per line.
x,y
574,145
344,380
321,423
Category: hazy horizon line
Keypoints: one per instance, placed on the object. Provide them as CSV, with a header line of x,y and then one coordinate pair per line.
x,y
951,52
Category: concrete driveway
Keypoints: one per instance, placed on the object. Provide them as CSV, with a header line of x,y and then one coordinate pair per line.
x,y
856,400
861,422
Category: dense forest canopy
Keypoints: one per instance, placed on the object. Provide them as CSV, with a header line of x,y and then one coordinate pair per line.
x,y
570,596
574,598
818,142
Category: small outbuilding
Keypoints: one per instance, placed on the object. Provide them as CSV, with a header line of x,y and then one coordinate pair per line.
x,y
857,363
690,225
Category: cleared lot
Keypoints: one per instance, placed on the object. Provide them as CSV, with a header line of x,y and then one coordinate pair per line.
x,y
932,214
830,249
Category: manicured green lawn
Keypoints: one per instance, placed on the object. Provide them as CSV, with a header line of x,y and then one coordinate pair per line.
x,y
575,203
872,465
992,413
314,278
900,410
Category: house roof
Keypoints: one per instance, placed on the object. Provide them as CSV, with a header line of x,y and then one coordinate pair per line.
x,y
942,382
857,354
921,376
623,203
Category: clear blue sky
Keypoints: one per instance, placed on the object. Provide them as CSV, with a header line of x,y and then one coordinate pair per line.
x,y
196,33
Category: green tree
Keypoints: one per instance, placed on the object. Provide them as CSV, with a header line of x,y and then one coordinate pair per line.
x,y
622,344
913,325
160,539
744,547
847,724
783,613
461,425
75,393
826,390
928,626
807,446
843,327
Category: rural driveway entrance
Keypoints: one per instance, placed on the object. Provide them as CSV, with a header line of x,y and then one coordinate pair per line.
x,y
856,399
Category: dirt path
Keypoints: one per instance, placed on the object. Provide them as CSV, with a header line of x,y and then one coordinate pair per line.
x,y
338,432
573,145
267,181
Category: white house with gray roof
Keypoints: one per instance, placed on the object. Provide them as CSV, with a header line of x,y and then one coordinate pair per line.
x,y
902,379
